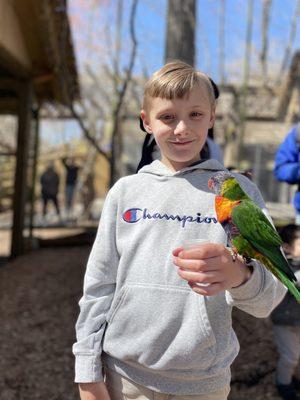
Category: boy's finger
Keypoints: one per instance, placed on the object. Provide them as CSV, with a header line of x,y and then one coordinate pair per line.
x,y
209,290
176,251
203,251
200,277
209,264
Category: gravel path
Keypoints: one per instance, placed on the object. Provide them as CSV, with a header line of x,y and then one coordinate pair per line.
x,y
38,308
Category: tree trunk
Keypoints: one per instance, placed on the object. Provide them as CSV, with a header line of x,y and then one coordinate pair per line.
x,y
116,138
244,92
288,49
180,39
265,42
222,43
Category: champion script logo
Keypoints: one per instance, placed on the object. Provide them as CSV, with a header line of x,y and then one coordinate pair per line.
x,y
133,215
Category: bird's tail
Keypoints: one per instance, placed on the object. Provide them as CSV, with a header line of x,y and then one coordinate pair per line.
x,y
282,277
289,284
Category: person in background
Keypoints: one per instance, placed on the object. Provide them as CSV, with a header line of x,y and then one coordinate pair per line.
x,y
71,180
287,165
50,183
286,320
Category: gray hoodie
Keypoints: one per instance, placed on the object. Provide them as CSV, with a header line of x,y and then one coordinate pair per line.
x,y
136,314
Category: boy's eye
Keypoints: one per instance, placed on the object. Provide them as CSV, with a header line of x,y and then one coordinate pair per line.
x,y
167,117
196,114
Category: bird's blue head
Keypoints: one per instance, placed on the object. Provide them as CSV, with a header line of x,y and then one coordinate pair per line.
x,y
225,184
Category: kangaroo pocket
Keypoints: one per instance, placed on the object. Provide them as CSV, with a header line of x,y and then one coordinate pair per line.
x,y
160,328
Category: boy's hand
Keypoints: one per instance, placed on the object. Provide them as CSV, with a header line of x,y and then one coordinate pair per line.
x,y
213,265
93,391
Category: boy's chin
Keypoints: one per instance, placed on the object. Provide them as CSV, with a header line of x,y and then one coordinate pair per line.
x,y
179,163
187,160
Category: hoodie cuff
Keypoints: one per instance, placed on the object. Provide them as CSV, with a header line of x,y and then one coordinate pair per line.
x,y
252,287
88,369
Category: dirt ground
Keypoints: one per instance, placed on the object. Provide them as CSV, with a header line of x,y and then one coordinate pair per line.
x,y
38,307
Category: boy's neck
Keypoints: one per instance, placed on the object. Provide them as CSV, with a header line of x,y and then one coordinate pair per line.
x,y
176,168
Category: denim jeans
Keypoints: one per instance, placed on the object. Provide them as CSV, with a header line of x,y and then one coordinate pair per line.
x,y
287,339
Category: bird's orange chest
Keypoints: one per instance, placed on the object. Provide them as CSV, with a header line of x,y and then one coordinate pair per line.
x,y
224,208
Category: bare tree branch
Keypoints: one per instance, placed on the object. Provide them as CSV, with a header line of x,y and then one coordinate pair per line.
x,y
86,132
292,35
95,79
118,42
121,94
222,43
244,92
265,42
7,153
128,73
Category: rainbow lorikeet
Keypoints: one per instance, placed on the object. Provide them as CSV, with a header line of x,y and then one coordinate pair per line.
x,y
249,231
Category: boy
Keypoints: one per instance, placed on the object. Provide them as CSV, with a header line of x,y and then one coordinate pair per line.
x,y
157,317
286,319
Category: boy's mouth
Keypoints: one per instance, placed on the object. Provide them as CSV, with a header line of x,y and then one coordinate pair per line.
x,y
182,143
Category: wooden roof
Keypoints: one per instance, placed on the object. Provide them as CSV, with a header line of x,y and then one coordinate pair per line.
x,y
36,43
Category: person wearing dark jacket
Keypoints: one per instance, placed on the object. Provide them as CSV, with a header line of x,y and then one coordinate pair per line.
x,y
287,164
71,180
286,320
50,183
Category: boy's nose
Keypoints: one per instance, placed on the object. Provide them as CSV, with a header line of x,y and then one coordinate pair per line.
x,y
181,128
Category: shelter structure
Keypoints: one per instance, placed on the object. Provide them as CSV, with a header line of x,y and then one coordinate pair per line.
x,y
270,111
37,67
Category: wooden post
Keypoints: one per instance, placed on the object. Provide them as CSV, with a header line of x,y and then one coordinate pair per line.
x,y
19,199
34,167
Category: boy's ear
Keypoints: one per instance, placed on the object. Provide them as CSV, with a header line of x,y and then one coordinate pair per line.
x,y
287,248
212,117
146,122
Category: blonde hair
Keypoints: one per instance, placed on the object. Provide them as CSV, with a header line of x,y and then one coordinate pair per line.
x,y
175,80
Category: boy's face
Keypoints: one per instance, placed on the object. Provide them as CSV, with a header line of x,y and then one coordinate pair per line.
x,y
180,126
294,248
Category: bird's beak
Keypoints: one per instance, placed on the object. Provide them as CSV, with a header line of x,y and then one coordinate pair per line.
x,y
210,184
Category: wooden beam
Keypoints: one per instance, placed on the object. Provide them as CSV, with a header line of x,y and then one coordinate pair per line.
x,y
8,106
13,50
25,105
43,78
9,84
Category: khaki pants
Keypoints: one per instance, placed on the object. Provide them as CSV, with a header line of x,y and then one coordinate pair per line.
x,y
121,388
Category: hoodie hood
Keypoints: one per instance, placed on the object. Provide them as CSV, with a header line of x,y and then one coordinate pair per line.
x,y
160,169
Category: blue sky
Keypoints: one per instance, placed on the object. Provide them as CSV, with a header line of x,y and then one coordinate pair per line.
x,y
151,26
92,45
153,21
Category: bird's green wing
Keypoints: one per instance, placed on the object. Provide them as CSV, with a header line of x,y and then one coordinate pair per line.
x,y
250,219
256,228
